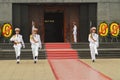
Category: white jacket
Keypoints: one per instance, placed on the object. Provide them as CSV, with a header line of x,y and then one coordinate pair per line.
x,y
91,41
35,40
75,29
18,39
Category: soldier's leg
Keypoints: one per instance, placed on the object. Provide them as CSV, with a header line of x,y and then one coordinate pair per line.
x,y
36,53
17,52
33,52
96,51
75,38
92,51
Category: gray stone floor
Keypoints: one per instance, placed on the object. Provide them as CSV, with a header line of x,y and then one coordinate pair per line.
x,y
27,70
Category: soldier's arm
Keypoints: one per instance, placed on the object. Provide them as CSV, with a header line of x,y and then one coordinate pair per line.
x,y
40,44
90,38
97,40
23,44
12,38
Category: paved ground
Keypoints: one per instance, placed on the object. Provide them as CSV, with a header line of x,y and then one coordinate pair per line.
x,y
27,70
110,67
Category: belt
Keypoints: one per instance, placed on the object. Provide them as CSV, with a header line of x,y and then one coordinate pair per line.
x,y
17,43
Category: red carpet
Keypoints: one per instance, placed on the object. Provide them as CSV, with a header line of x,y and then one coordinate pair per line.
x,y
60,51
66,66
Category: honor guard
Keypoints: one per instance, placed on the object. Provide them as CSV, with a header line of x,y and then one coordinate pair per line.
x,y
93,43
74,32
18,43
35,44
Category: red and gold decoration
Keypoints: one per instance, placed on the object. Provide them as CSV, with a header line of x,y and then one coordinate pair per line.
x,y
7,30
103,29
114,29
0,31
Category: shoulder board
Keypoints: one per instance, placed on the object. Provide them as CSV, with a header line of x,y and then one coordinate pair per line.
x,y
31,36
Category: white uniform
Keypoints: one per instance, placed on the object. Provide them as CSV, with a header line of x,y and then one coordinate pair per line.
x,y
93,44
35,45
18,43
75,33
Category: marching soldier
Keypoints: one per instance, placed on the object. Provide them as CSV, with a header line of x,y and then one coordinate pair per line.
x,y
74,32
35,44
93,43
18,43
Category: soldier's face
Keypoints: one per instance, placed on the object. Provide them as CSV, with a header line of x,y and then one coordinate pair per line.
x,y
34,32
17,32
93,30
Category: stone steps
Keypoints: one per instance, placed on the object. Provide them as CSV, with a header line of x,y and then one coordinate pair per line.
x,y
106,50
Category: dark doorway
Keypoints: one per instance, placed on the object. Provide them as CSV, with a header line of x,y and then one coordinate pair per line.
x,y
88,18
53,22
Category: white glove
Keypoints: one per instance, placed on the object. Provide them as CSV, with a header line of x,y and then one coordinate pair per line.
x,y
40,47
23,46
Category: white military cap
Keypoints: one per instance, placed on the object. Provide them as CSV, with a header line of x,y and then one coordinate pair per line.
x,y
17,29
93,28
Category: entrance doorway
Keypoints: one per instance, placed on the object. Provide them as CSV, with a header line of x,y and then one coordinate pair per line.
x,y
54,20
54,26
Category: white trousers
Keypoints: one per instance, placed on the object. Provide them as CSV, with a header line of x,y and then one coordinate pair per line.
x,y
93,51
75,37
17,52
35,52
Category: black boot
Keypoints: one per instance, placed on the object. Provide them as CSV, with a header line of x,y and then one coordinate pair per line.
x,y
18,62
35,62
35,59
93,60
18,58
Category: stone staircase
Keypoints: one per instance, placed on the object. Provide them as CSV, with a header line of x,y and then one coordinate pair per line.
x,y
7,51
106,50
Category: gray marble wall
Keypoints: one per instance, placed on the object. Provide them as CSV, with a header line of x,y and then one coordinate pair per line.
x,y
5,12
107,10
